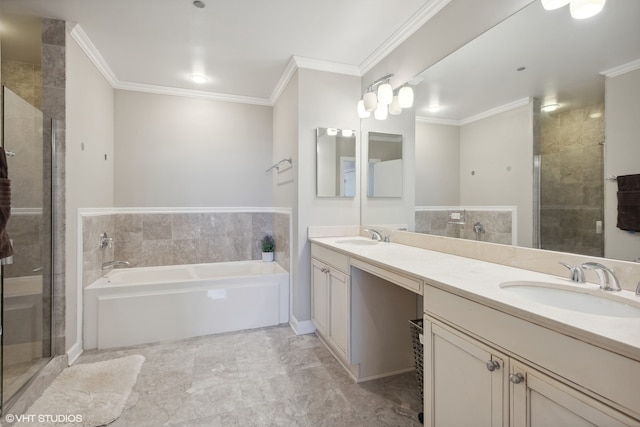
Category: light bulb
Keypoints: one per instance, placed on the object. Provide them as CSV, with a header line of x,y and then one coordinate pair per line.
x,y
381,112
405,97
347,133
583,9
362,113
370,101
554,4
394,107
385,94
332,131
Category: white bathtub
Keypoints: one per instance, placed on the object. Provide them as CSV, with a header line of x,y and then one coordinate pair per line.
x,y
143,305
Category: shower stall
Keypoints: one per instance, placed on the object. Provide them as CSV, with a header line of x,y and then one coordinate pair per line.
x,y
26,279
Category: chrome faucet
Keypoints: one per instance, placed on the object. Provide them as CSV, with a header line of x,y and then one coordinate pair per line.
x,y
375,235
112,264
576,274
608,280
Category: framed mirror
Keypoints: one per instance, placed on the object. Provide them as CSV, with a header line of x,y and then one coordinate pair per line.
x,y
384,165
335,162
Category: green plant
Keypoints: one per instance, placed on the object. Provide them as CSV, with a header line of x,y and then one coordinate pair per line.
x,y
268,245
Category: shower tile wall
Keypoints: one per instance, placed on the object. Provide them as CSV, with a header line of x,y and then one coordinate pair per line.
x,y
572,181
497,225
155,239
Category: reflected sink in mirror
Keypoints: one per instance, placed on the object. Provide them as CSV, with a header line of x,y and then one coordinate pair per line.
x,y
358,242
574,298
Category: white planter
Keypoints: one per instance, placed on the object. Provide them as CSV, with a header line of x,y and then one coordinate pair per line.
x,y
267,256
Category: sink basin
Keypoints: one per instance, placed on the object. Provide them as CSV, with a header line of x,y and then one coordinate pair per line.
x,y
573,298
358,242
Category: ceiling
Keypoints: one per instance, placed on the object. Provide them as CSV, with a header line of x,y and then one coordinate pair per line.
x,y
563,60
242,46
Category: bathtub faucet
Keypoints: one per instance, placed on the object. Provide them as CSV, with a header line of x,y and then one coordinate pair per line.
x,y
112,264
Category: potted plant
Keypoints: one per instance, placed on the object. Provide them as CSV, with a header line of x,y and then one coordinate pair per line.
x,y
268,246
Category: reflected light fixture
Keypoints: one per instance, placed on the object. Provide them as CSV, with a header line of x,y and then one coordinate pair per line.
x,y
379,97
332,131
547,108
347,133
580,9
198,78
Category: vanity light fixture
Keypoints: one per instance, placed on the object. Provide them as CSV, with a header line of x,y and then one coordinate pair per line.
x,y
198,78
347,133
332,131
580,9
379,97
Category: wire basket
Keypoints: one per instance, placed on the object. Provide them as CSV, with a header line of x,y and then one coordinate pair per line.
x,y
416,339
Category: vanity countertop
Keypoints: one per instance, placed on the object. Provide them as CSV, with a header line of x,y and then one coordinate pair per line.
x,y
480,281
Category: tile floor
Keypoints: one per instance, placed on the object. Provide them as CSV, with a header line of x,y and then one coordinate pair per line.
x,y
264,377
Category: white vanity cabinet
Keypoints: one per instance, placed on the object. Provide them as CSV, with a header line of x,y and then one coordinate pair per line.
x,y
330,298
487,367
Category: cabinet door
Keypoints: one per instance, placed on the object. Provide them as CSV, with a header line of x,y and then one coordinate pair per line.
x,y
339,303
319,296
465,382
539,400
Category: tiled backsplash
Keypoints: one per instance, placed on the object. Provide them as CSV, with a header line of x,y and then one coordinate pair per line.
x,y
497,224
157,238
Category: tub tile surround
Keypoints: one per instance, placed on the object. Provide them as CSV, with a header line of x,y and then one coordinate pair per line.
x,y
174,237
498,223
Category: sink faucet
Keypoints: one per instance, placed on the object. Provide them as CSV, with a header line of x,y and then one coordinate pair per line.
x,y
111,264
576,274
608,280
375,235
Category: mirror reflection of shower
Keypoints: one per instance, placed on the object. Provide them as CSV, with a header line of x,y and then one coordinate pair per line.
x,y
26,278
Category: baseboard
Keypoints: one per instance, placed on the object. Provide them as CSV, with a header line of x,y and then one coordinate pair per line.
x,y
301,328
74,352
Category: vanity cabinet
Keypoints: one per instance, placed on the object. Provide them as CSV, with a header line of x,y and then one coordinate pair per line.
x,y
486,367
330,298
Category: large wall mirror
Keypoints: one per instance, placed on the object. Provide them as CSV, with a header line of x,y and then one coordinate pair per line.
x,y
541,178
384,165
335,162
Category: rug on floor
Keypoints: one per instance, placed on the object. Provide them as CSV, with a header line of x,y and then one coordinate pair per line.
x,y
88,395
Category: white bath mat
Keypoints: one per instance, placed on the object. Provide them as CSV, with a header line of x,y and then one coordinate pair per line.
x,y
92,394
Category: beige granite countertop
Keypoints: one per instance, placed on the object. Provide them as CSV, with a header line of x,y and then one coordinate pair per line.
x,y
480,281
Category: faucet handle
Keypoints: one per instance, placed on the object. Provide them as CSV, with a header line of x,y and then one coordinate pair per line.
x,y
608,280
576,273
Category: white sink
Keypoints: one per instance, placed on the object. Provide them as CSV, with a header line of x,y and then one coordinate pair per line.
x,y
574,298
358,242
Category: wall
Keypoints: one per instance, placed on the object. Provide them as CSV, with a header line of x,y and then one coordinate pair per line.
x,y
179,151
622,151
156,237
324,100
90,136
571,184
437,165
496,165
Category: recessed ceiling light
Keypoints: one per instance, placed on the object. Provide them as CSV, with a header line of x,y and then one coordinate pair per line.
x,y
198,78
434,108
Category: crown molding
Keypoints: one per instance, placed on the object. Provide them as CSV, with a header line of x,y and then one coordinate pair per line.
x,y
500,109
436,121
87,46
622,69
331,67
424,14
191,93
288,72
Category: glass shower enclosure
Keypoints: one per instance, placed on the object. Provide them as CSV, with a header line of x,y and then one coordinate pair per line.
x,y
27,275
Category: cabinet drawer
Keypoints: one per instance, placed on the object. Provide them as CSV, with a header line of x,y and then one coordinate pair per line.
x,y
413,284
331,258
602,372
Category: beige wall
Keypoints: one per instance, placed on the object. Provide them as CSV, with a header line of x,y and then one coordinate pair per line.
x,y
180,151
437,165
499,152
89,176
622,154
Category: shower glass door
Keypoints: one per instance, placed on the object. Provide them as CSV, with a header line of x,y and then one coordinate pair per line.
x,y
26,277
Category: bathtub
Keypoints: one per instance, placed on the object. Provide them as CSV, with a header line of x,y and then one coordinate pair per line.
x,y
144,305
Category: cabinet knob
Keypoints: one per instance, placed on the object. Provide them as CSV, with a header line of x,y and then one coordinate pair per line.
x,y
492,365
325,270
516,378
